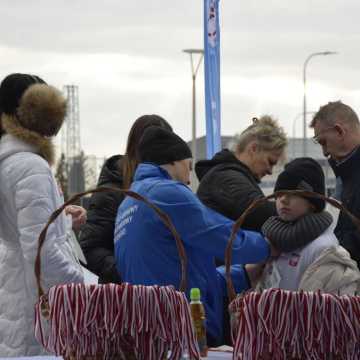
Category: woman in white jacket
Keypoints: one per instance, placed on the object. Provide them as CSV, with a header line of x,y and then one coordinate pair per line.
x,y
31,112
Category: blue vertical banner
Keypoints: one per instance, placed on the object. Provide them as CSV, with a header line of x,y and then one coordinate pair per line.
x,y
212,76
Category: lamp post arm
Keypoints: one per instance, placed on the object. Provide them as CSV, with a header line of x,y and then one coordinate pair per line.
x,y
198,65
191,64
304,100
311,56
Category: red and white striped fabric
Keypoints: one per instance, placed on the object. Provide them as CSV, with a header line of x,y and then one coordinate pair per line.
x,y
281,324
151,322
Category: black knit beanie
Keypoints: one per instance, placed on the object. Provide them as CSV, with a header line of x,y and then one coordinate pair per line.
x,y
12,88
161,146
303,174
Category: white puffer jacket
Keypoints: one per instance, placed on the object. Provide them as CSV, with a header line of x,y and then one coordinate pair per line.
x,y
333,272
321,265
28,196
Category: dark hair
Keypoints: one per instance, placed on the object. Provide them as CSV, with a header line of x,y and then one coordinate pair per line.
x,y
131,158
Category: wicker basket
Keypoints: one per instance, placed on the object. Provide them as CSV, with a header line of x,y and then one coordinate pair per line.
x,y
115,321
278,324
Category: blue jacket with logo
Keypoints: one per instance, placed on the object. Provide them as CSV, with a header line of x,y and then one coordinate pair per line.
x,y
146,251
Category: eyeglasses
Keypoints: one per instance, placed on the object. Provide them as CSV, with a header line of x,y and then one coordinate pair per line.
x,y
316,139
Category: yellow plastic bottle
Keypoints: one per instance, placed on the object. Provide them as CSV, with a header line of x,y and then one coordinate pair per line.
x,y
198,318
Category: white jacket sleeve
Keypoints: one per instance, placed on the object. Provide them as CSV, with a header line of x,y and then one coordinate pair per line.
x,y
36,197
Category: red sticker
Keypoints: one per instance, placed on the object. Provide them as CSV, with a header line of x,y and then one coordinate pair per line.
x,y
294,259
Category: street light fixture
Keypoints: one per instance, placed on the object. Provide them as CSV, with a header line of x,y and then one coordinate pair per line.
x,y
324,53
194,71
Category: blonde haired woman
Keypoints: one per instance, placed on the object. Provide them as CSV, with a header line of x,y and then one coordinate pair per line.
x,y
229,182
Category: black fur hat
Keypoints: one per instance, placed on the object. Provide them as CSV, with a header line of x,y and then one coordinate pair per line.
x,y
303,174
32,111
27,101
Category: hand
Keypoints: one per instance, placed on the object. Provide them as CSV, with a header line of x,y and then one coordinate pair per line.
x,y
254,272
78,215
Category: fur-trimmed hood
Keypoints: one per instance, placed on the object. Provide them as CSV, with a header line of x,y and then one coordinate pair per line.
x,y
35,142
10,145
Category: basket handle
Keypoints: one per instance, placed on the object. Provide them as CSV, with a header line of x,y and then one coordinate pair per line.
x,y
237,225
163,216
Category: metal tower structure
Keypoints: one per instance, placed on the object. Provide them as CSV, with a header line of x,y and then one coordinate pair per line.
x,y
72,122
70,144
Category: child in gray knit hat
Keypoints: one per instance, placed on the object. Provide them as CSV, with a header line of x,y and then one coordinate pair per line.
x,y
311,258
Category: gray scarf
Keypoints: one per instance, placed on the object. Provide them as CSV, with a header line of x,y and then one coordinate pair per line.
x,y
289,236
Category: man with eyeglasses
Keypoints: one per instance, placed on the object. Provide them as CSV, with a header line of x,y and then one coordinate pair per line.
x,y
337,129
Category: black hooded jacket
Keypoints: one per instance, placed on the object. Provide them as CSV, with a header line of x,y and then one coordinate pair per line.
x,y
346,231
229,187
97,235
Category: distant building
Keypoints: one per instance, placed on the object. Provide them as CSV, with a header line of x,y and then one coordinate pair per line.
x,y
293,150
90,171
226,143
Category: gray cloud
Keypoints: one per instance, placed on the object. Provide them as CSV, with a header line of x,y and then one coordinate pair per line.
x,y
126,58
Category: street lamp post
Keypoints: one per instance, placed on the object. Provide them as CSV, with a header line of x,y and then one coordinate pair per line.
x,y
294,129
304,105
194,71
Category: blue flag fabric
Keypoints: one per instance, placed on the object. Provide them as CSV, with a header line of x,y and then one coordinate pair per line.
x,y
212,76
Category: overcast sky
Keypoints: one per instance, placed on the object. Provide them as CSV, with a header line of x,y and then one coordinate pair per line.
x,y
126,58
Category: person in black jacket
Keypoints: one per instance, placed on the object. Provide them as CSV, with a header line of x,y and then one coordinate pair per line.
x,y
337,129
97,235
229,182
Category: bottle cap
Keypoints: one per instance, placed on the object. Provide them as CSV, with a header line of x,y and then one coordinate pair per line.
x,y
195,294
